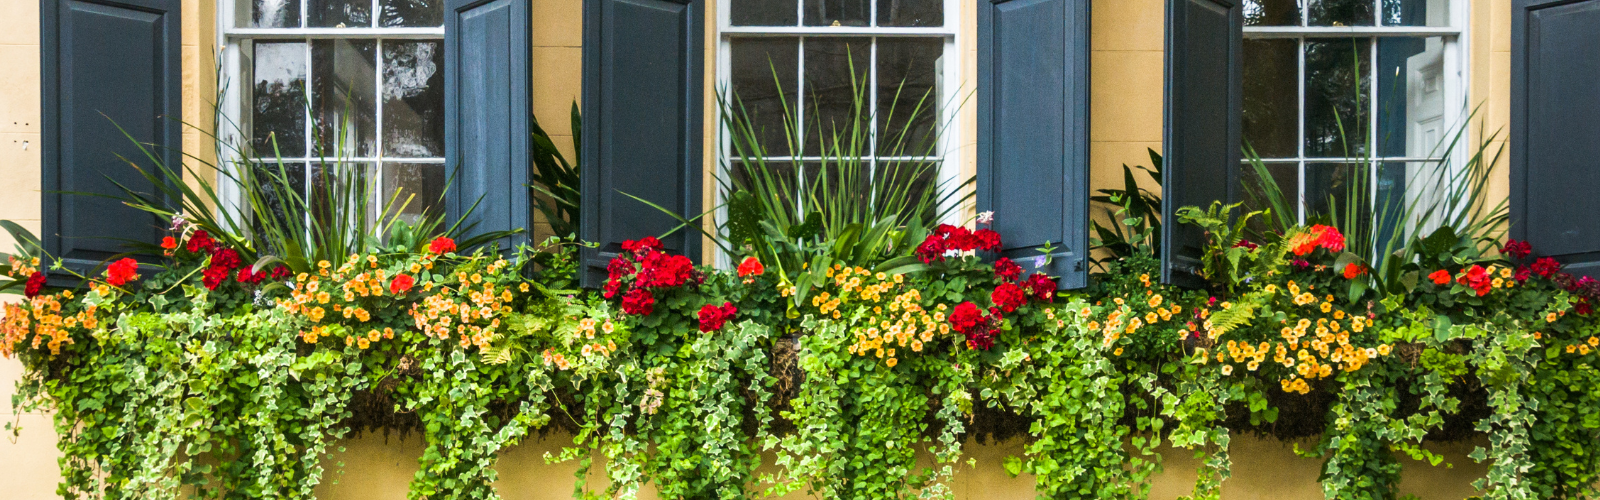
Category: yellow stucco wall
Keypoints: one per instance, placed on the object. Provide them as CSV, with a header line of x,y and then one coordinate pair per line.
x,y
1126,114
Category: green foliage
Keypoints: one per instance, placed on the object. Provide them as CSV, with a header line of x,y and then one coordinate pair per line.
x,y
1135,212
557,180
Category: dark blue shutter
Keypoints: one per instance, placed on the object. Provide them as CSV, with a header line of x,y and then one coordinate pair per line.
x,y
106,64
488,141
643,63
1033,129
1204,101
1555,130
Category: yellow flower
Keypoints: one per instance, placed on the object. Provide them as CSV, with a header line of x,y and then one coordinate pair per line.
x,y
1506,273
1583,349
1550,318
1118,300
1571,348
1326,307
324,264
1338,314
1117,352
1253,365
1594,341
1383,349
363,343
1227,370
1498,283
1155,300
523,287
1150,317
1093,325
891,362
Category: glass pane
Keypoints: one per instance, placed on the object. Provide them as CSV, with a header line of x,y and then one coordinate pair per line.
x,y
1416,12
1334,189
1340,13
278,99
269,13
1392,201
767,179
339,13
918,13
763,13
836,74
413,99
1271,94
1411,110
837,12
1337,97
411,13
908,95
1271,13
338,189
344,97
907,180
282,186
838,182
413,189
1284,176
764,81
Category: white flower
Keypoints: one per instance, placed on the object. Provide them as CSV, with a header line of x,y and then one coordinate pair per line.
x,y
986,217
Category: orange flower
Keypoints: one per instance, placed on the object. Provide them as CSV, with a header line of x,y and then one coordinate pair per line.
x,y
751,267
402,283
1352,270
1440,277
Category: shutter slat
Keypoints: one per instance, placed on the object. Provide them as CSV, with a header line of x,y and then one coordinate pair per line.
x,y
643,63
1033,129
1204,100
488,141
1554,130
106,64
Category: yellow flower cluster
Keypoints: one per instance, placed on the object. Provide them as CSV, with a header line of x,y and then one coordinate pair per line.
x,y
1125,321
891,315
1580,348
41,317
436,314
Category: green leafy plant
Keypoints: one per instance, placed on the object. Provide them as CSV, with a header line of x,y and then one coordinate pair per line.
x,y
556,179
1134,213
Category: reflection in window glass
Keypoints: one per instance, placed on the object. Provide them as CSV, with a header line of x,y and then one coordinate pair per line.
x,y
411,13
1416,12
344,96
1337,97
764,81
1272,97
763,12
1271,13
413,99
339,13
908,95
269,13
278,117
837,12
1411,107
1340,13
835,69
917,13
413,189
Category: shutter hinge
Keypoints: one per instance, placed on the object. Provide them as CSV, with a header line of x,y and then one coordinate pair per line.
x,y
1078,266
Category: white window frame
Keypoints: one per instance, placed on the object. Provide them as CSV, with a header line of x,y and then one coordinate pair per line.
x,y
234,112
1456,41
950,83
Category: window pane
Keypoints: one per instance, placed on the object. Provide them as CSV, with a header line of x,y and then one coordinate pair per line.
x,y
918,13
411,13
343,96
278,102
1396,195
1284,176
1416,12
762,12
835,69
337,191
1271,13
279,185
1337,97
915,179
908,95
1411,109
412,189
1333,189
837,12
766,179
763,82
1271,96
339,13
1341,13
413,99
269,13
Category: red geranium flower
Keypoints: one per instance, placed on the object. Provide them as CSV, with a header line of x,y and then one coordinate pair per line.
x,y
34,285
401,284
248,276
200,242
1517,249
965,317
1246,244
642,245
1008,297
751,267
169,244
638,301
985,239
931,249
1440,277
122,271
442,245
1352,270
1041,287
1477,278
213,277
1546,267
712,317
226,258
1523,272
1007,270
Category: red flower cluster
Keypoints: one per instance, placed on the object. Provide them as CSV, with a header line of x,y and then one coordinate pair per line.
x,y
248,275
947,238
980,328
401,284
647,267
1477,278
751,267
1517,249
1007,270
223,262
712,317
34,285
169,245
1318,236
1041,287
122,271
1008,297
1352,270
1545,267
441,246
200,242
1440,277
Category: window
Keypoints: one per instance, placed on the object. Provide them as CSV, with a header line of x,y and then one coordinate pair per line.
x,y
1340,91
358,83
902,50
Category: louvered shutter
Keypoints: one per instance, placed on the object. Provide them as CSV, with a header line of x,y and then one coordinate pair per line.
x,y
1204,92
1033,129
1555,130
643,63
106,64
488,141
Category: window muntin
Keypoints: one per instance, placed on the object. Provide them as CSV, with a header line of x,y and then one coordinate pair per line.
x,y
324,82
769,49
1335,89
